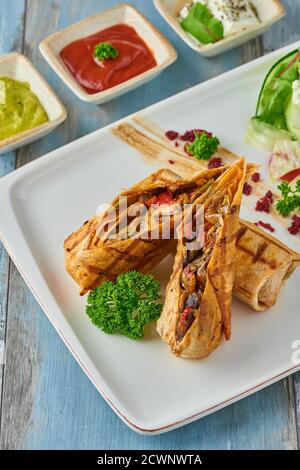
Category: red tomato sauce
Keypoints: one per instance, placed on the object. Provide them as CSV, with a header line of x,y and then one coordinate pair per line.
x,y
134,58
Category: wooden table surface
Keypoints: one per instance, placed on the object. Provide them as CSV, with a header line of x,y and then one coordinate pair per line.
x,y
47,402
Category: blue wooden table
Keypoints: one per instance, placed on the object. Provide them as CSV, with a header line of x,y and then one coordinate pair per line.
x,y
47,402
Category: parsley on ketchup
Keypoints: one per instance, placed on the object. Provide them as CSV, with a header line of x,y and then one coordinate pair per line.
x,y
133,58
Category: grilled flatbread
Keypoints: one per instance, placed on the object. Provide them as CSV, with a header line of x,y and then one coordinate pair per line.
x,y
197,310
263,263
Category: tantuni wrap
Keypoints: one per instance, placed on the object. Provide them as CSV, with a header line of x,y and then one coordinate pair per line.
x,y
197,310
263,263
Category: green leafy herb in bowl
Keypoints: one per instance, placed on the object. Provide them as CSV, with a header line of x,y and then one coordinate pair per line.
x,y
105,51
125,306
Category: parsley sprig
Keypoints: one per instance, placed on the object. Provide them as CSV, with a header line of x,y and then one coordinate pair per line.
x,y
104,51
290,198
204,146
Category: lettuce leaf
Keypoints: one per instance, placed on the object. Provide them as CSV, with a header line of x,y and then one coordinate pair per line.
x,y
201,24
263,135
277,90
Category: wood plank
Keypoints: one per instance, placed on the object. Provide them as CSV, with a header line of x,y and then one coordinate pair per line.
x,y
287,32
48,401
11,39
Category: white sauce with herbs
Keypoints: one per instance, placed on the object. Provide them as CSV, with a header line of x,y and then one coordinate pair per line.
x,y
235,15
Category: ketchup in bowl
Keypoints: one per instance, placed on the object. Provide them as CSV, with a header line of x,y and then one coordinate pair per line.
x,y
133,57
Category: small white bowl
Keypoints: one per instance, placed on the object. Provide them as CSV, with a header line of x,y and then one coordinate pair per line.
x,y
18,67
163,51
270,11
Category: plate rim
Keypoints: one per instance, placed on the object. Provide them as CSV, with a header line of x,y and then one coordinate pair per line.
x,y
70,339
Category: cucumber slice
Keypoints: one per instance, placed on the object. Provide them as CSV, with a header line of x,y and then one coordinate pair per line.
x,y
275,71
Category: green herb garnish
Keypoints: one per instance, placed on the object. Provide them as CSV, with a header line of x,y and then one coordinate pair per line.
x,y
290,198
125,306
104,51
204,146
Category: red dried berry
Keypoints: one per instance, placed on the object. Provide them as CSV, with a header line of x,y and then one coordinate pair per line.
x,y
269,195
294,229
264,204
176,144
171,135
171,162
215,162
256,178
247,190
266,226
296,221
189,136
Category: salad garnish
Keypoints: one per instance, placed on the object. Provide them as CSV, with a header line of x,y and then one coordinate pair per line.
x,y
278,107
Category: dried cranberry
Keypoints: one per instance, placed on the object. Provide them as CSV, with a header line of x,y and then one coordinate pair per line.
x,y
215,162
176,144
247,190
189,136
296,221
171,162
264,204
294,229
256,178
269,195
171,135
266,226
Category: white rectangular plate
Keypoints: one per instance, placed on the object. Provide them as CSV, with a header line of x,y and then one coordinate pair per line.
x,y
43,202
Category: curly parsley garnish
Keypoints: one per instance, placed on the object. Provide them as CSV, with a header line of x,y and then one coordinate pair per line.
x,y
104,51
204,146
290,198
125,306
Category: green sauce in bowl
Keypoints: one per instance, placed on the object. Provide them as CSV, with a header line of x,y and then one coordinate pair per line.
x,y
20,108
